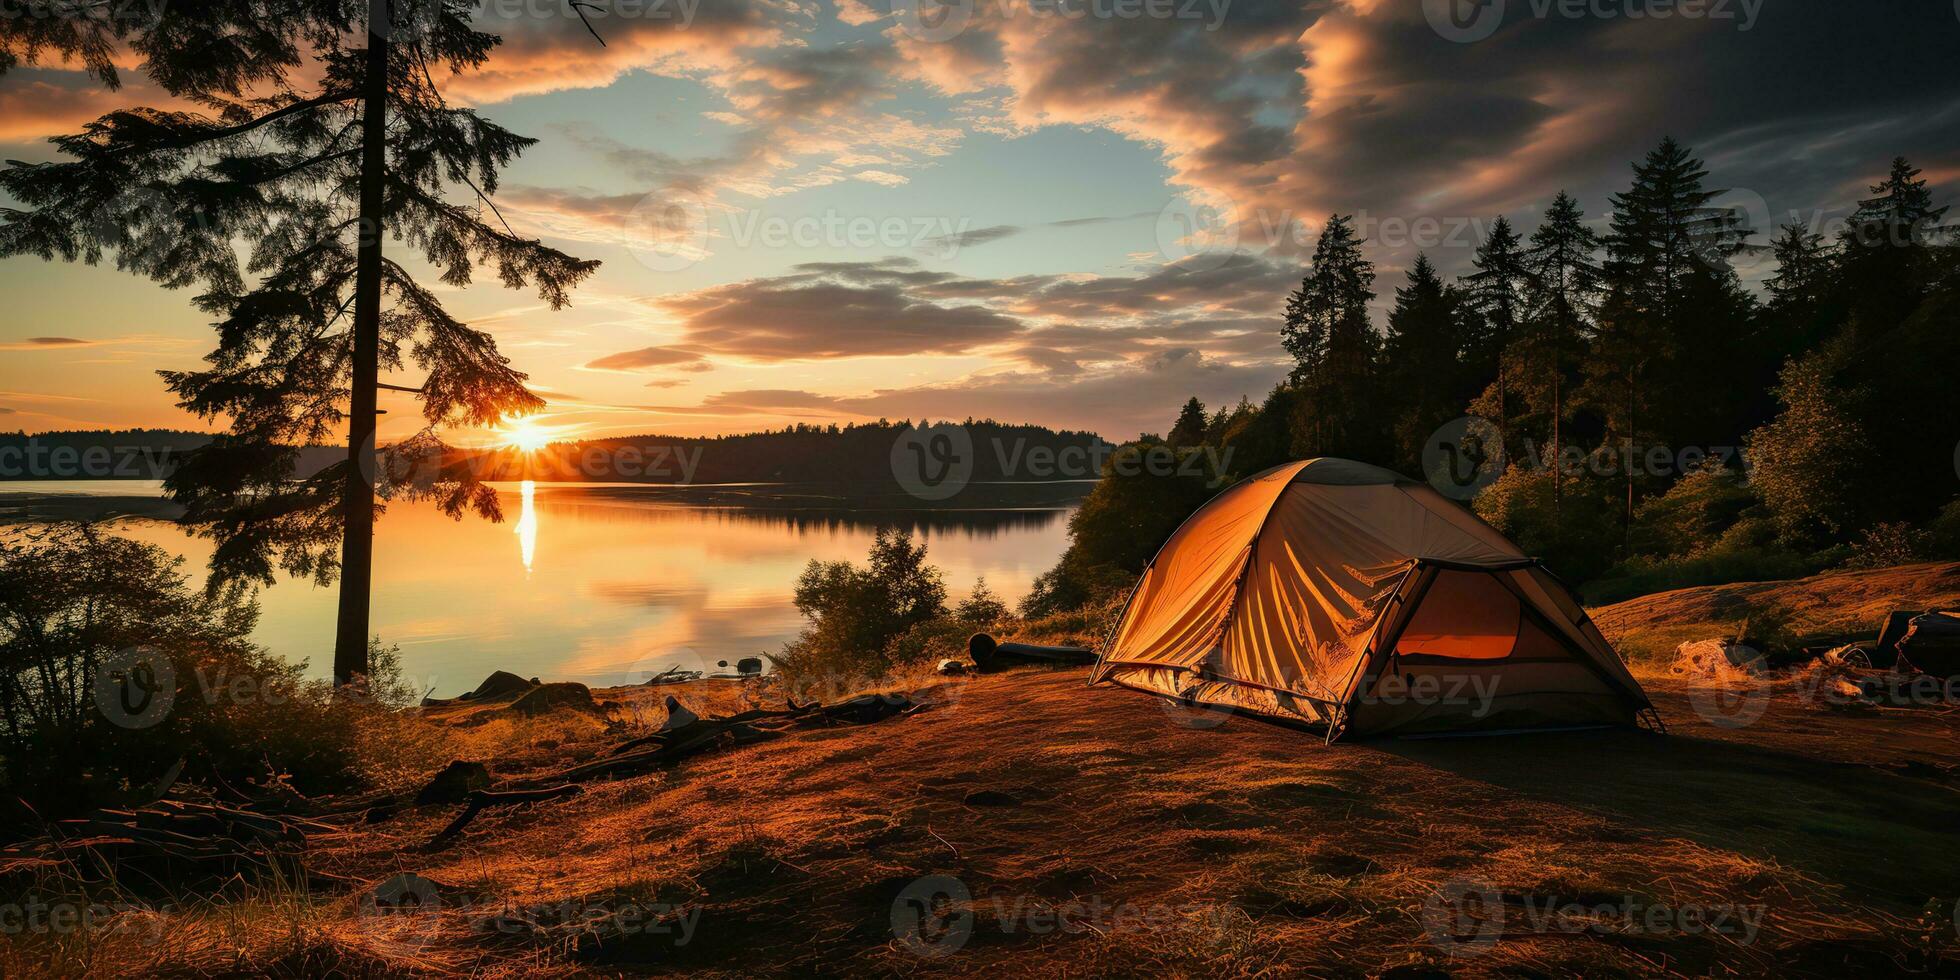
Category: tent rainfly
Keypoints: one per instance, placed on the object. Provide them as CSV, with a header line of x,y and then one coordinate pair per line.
x,y
1343,596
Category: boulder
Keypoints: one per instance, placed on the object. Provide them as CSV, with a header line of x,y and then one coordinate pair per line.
x,y
500,684
546,698
454,783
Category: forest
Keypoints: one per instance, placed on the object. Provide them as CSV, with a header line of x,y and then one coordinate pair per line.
x,y
1652,422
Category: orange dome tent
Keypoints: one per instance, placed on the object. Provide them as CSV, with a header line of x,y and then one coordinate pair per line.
x,y
1341,595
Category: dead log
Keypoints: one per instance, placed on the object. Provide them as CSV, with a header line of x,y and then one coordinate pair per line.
x,y
990,655
483,799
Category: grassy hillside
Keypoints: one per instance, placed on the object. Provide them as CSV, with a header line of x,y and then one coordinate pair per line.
x,y
1834,607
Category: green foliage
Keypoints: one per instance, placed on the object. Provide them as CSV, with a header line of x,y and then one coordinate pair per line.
x,y
1336,350
1692,515
1423,373
856,613
1808,464
1574,531
982,607
74,602
1888,544
1189,430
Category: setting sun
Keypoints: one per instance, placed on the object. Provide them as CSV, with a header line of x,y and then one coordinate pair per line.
x,y
525,434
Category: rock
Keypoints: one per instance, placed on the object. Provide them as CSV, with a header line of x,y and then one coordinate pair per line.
x,y
454,783
500,684
546,698
952,667
1716,660
677,716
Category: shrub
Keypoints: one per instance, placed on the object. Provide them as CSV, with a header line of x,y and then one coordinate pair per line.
x,y
1576,537
1888,544
116,678
1692,515
857,613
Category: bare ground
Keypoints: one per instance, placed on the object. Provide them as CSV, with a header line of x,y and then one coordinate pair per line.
x,y
1028,825
1171,845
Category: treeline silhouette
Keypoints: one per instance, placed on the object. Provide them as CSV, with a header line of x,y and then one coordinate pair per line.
x,y
1660,424
857,454
854,453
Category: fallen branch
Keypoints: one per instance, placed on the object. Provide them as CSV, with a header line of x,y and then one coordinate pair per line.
x,y
483,799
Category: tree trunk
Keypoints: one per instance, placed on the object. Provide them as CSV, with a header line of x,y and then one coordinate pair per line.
x,y
1558,415
1626,521
350,646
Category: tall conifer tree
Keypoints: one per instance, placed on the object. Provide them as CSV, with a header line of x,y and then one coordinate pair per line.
x,y
318,132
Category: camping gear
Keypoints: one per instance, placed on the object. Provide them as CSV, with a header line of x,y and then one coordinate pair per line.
x,y
1931,644
990,655
1343,596
1884,654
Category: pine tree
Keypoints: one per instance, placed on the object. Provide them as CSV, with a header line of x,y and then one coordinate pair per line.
x,y
1496,291
1889,250
1564,283
1672,332
1804,291
317,134
1421,363
1328,333
1189,430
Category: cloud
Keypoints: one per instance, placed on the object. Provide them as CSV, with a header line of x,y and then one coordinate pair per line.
x,y
650,357
831,310
1225,306
48,343
1289,111
942,244
1136,397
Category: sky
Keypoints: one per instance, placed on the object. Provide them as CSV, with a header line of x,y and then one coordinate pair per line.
x,y
1075,213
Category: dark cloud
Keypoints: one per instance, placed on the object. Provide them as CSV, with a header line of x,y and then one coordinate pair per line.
x,y
837,310
993,233
48,343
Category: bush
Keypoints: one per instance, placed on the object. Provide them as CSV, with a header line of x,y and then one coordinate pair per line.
x,y
1576,537
116,679
1692,515
856,613
1889,544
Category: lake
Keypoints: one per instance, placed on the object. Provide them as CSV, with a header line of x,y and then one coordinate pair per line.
x,y
599,583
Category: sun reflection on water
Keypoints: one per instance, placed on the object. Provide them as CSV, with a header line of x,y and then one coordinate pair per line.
x,y
527,523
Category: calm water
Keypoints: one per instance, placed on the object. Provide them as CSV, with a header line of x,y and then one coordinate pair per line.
x,y
597,583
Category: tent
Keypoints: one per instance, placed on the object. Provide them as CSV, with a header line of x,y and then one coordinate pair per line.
x,y
1344,596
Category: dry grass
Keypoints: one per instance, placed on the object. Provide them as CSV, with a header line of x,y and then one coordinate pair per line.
x,y
1099,832
1243,850
1828,608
